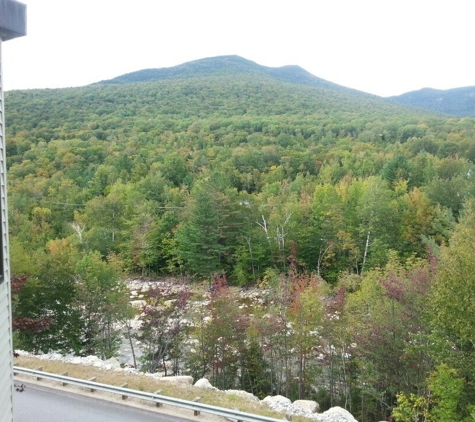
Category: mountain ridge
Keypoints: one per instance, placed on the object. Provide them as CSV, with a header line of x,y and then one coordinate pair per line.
x,y
230,64
459,102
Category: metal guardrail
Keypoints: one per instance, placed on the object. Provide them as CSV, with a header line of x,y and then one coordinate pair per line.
x,y
154,397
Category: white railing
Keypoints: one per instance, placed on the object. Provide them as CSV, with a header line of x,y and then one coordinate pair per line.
x,y
158,399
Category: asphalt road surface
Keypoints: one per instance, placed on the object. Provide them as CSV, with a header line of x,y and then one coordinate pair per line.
x,y
43,404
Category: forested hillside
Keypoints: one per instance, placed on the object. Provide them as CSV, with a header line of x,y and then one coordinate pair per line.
x,y
339,202
457,101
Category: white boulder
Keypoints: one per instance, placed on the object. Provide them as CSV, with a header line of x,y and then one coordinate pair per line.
x,y
243,394
310,406
271,400
204,383
336,414
113,363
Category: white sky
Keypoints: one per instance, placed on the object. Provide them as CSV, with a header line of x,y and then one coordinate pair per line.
x,y
384,47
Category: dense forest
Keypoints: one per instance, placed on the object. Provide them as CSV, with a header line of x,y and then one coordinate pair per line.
x,y
458,102
354,214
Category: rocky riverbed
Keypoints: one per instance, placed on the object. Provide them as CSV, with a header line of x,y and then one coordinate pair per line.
x,y
130,347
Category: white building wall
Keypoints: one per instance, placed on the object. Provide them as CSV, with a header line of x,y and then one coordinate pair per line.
x,y
6,347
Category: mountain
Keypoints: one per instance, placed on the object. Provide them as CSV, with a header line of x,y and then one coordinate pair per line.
x,y
220,87
458,102
227,65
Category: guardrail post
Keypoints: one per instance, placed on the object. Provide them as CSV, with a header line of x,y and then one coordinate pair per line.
x,y
64,374
197,400
158,404
239,420
40,368
124,397
92,379
288,416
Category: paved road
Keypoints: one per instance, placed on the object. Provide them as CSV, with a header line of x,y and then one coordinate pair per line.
x,y
43,404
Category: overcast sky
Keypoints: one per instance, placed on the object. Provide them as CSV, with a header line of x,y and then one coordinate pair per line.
x,y
384,47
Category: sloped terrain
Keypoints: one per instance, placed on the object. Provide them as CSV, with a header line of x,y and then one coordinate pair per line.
x,y
458,102
228,65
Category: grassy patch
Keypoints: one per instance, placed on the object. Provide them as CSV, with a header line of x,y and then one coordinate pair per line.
x,y
143,383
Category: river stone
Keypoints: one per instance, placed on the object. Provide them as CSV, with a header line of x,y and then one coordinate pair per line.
x,y
138,303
